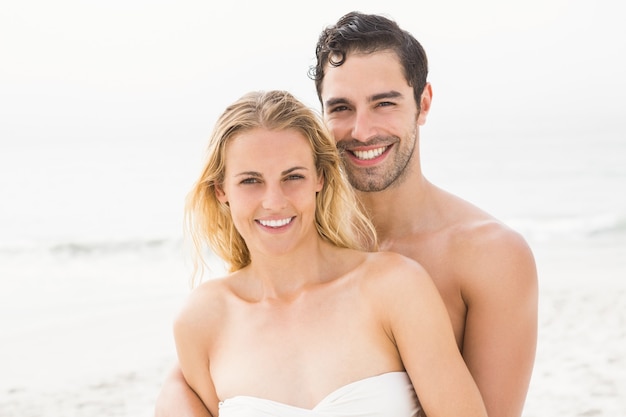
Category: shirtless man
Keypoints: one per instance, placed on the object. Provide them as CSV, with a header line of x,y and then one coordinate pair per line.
x,y
371,79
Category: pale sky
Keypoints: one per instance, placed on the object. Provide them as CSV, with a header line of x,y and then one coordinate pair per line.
x,y
69,65
80,78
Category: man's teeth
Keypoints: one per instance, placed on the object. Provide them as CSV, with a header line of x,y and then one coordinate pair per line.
x,y
275,223
369,154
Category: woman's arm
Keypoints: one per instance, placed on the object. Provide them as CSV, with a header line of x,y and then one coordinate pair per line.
x,y
423,334
193,333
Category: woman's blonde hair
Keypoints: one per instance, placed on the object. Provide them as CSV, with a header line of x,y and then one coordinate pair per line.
x,y
339,216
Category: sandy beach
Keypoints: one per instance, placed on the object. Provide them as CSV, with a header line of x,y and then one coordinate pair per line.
x,y
580,368
103,348
94,338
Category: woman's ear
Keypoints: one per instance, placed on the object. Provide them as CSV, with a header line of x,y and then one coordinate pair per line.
x,y
220,194
320,183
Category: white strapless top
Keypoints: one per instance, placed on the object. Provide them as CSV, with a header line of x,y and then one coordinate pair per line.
x,y
388,395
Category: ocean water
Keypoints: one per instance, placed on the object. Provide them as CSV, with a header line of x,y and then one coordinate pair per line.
x,y
78,193
93,264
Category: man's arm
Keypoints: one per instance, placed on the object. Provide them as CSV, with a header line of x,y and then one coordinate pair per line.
x,y
500,337
177,399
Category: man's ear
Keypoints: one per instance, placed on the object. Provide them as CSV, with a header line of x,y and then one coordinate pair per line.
x,y
220,194
425,101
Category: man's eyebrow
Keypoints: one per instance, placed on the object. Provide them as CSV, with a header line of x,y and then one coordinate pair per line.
x,y
386,94
335,101
376,97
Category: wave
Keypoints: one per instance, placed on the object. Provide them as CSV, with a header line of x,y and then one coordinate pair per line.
x,y
93,248
614,228
545,228
578,227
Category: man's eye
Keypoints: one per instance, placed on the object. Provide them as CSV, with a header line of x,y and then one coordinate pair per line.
x,y
385,104
338,109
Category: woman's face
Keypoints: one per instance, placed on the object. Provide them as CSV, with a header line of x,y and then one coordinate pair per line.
x,y
270,184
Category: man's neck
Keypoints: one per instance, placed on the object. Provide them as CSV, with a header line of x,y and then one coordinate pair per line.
x,y
403,209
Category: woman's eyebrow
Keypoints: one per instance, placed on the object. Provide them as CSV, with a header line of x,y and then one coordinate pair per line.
x,y
290,170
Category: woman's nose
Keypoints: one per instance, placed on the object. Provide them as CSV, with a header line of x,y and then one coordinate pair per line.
x,y
274,198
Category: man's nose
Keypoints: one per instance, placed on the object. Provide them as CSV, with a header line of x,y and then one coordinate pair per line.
x,y
363,127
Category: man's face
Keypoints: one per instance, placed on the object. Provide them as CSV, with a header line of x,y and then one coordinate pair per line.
x,y
370,109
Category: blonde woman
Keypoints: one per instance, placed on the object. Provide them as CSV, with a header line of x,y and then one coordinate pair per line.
x,y
309,321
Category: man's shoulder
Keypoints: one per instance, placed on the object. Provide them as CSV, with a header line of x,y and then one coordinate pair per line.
x,y
477,241
471,228
484,234
489,253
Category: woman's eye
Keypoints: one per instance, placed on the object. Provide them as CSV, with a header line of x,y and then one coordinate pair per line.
x,y
295,177
250,181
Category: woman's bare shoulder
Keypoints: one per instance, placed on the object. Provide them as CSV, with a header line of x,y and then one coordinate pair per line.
x,y
204,304
390,261
395,284
395,271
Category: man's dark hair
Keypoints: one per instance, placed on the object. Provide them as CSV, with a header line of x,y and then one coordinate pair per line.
x,y
367,33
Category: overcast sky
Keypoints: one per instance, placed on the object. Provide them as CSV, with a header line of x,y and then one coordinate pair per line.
x,y
72,66
87,86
